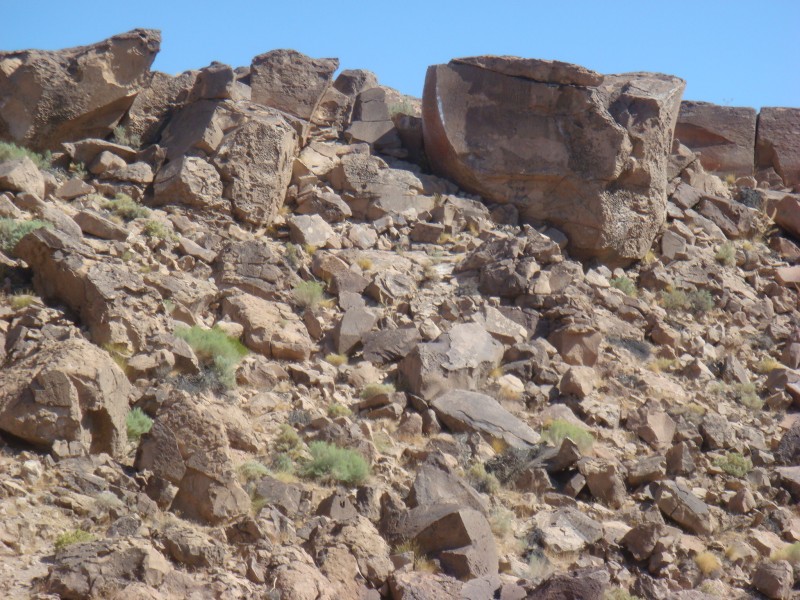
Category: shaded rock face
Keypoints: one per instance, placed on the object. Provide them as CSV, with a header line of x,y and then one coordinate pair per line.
x,y
566,146
724,136
778,143
68,390
49,97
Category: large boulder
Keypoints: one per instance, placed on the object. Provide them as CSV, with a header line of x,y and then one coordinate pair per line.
x,y
189,448
724,136
778,142
565,145
460,358
252,147
290,81
49,97
113,301
67,390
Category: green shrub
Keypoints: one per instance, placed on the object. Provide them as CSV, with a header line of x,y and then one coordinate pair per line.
x,y
282,463
734,464
624,285
481,480
76,536
217,349
337,360
558,430
674,300
700,301
157,230
138,423
329,462
126,208
20,301
10,151
336,410
13,230
374,389
746,395
121,137
252,470
726,254
403,107
790,552
308,294
287,439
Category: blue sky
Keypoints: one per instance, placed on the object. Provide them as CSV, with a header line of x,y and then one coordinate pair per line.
x,y
732,52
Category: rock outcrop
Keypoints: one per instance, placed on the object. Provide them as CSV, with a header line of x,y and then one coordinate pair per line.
x,y
566,146
723,136
777,143
49,97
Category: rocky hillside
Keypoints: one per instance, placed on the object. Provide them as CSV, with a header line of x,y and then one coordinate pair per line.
x,y
272,332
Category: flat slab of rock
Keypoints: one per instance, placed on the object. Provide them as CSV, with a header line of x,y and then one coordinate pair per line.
x,y
535,69
461,410
682,506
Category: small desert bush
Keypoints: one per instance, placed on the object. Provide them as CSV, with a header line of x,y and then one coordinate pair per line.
x,y
13,230
364,263
726,254
121,136
421,561
137,423
746,395
624,285
76,536
126,208
287,439
790,552
707,562
766,365
337,360
700,301
10,151
403,107
20,301
336,410
674,300
308,294
252,470
375,389
216,348
481,480
558,430
734,464
501,520
334,464
663,364
157,230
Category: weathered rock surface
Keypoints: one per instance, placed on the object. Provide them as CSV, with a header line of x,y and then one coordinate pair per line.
x,y
461,410
67,390
49,97
290,81
189,449
724,136
777,143
597,169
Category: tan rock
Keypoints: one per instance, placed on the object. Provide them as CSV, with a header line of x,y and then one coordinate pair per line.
x,y
68,390
469,139
290,81
777,143
48,97
190,181
21,176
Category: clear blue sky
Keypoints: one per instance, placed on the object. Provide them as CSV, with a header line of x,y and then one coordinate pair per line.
x,y
733,52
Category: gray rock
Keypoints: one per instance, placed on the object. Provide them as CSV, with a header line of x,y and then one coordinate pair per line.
x,y
682,506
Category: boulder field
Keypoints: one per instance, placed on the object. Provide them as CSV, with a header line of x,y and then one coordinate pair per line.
x,y
279,331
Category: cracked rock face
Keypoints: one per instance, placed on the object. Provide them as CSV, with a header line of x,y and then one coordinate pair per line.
x,y
48,97
566,146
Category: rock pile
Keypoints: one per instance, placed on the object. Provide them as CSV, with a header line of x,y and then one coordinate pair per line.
x,y
273,332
